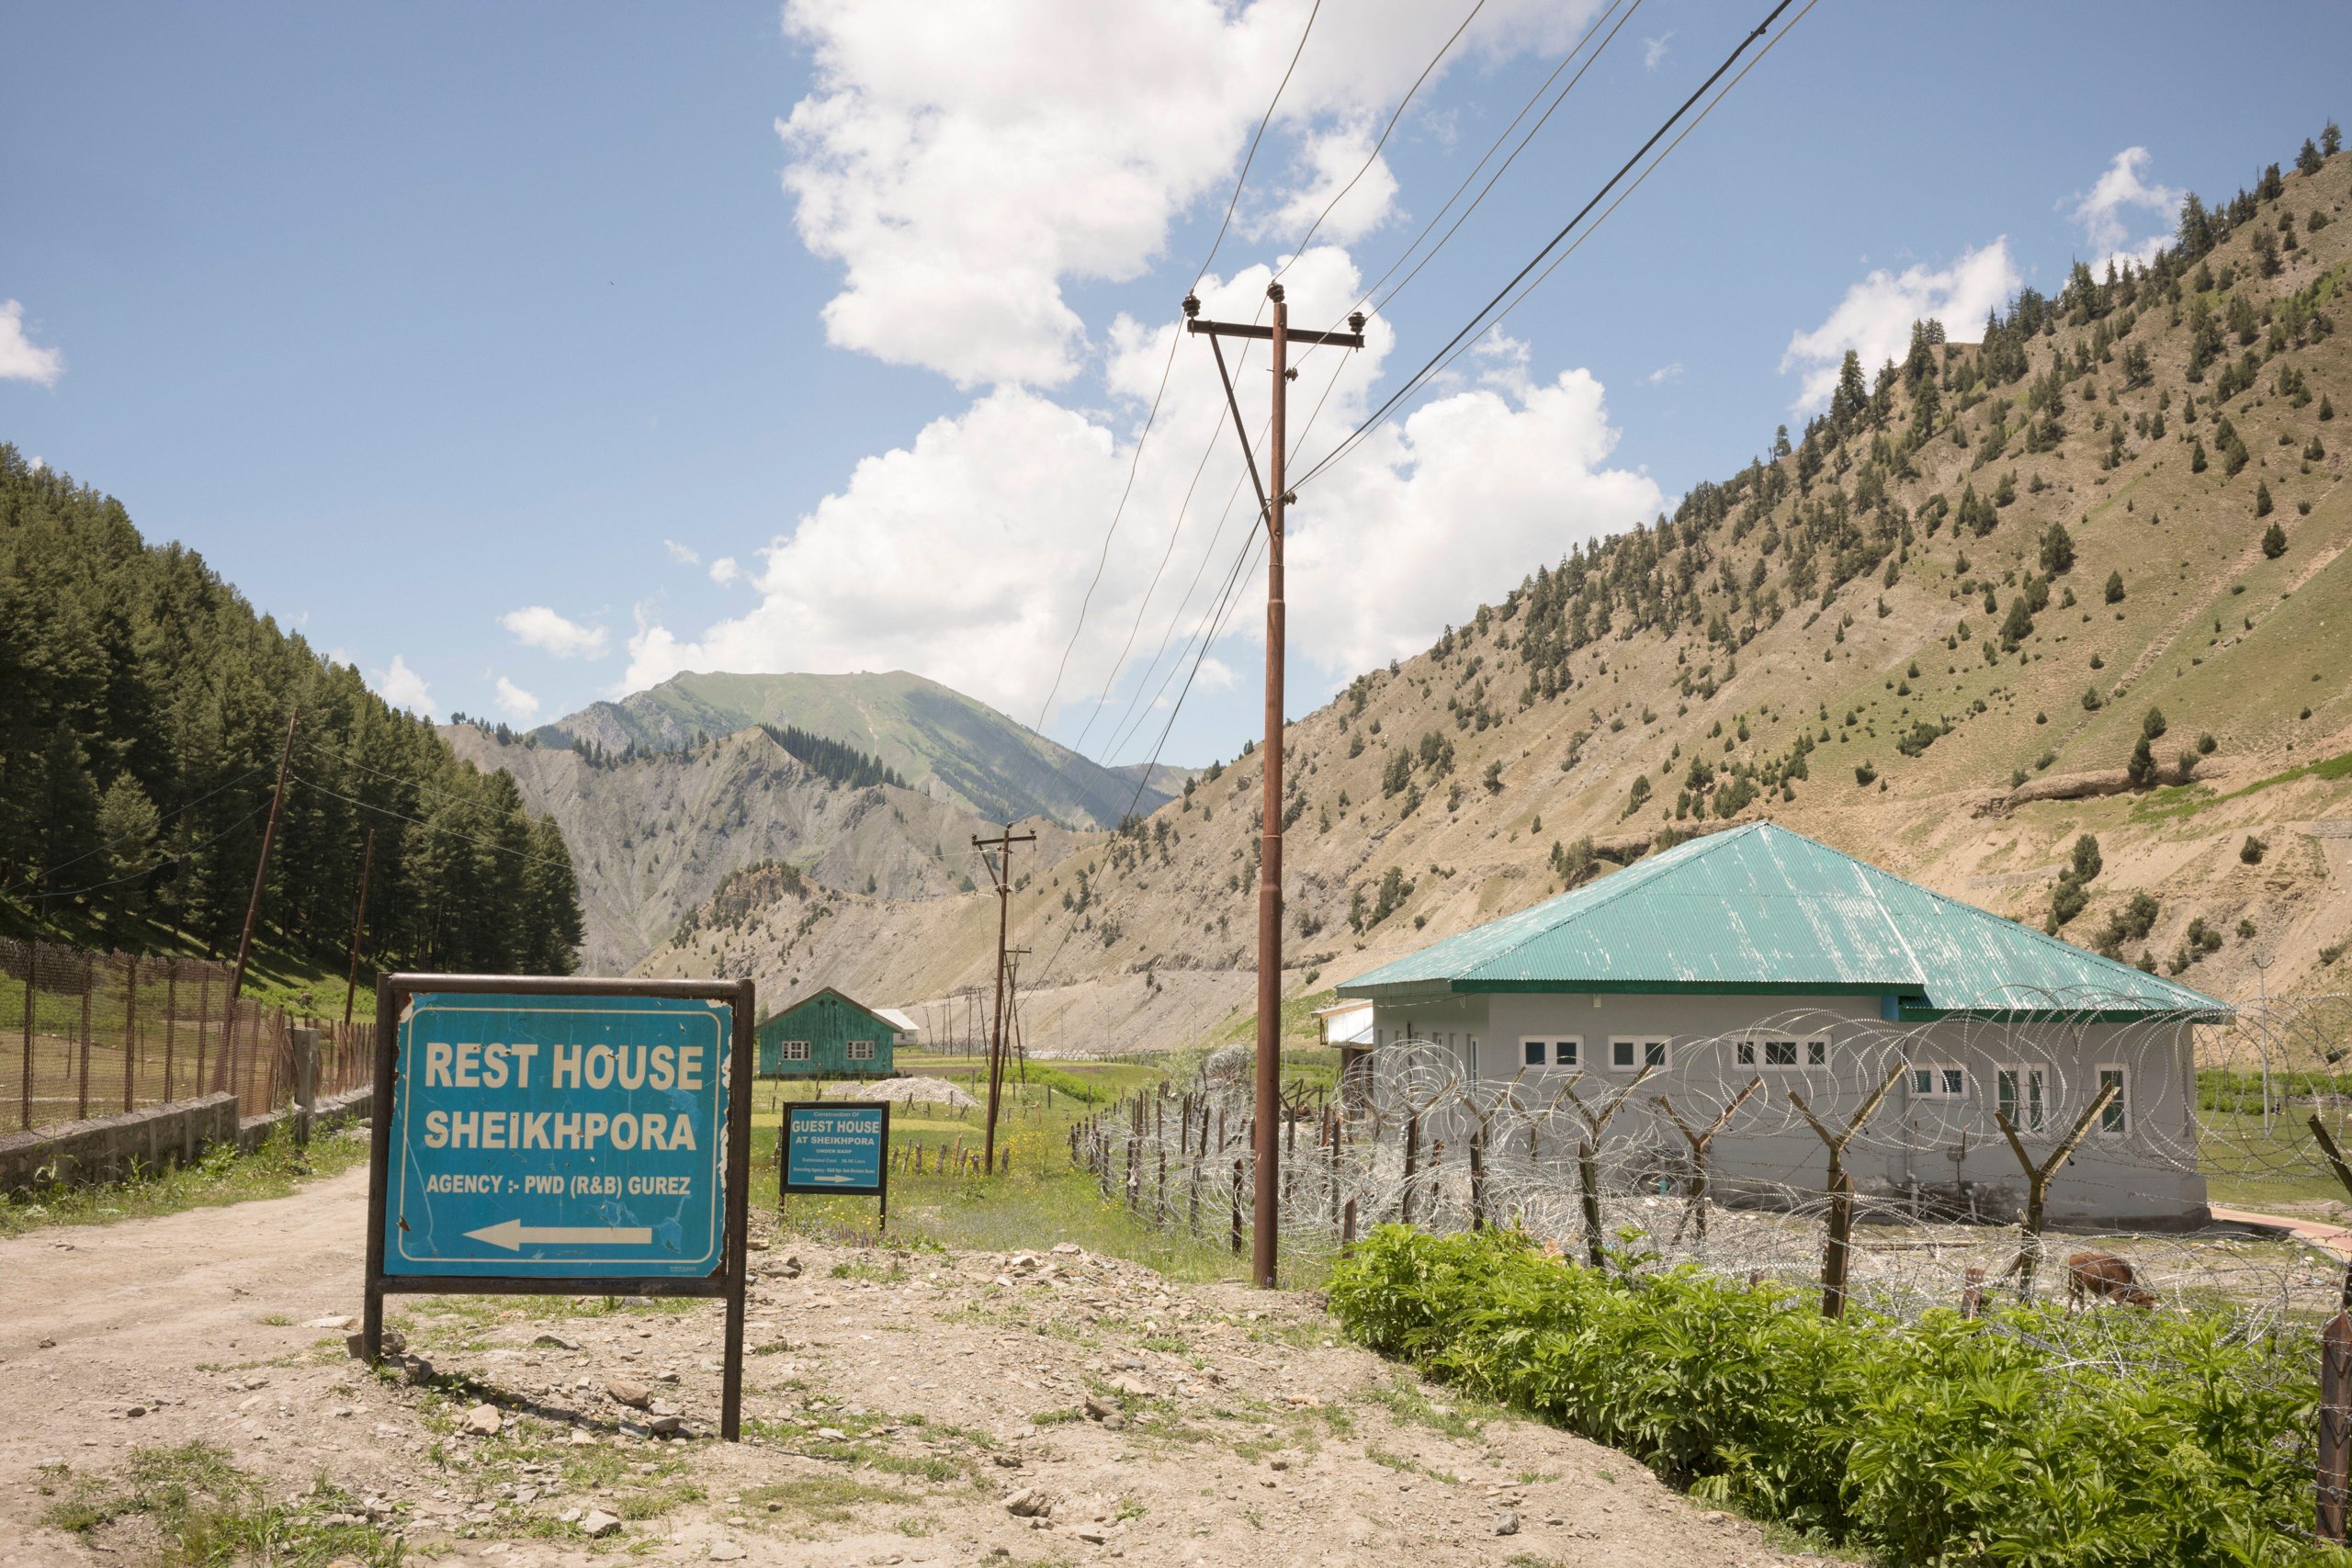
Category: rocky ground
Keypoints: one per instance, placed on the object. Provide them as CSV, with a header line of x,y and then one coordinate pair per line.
x,y
901,1407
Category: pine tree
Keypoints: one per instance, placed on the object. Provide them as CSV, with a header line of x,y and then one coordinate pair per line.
x,y
1852,395
2308,160
2115,588
2262,498
2331,140
2274,541
2142,769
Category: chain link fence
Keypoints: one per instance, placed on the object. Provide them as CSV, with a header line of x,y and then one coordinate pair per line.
x,y
85,1034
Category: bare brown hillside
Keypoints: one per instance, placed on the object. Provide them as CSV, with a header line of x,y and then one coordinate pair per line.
x,y
654,836
1934,635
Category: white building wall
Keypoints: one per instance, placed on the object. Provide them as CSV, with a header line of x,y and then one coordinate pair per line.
x,y
1945,1147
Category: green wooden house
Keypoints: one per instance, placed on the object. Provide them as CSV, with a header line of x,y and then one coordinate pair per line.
x,y
827,1035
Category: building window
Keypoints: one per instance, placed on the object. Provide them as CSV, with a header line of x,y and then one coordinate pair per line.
x,y
2022,1093
1550,1053
860,1050
794,1050
2115,1122
1939,1080
1782,1056
1626,1056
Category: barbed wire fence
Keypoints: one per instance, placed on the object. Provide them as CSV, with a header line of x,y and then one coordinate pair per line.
x,y
2060,1150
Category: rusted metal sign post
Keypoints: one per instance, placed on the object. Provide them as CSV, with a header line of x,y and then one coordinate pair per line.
x,y
559,1136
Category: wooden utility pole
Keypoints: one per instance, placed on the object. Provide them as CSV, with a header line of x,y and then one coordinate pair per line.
x,y
1002,843
1272,502
260,869
358,920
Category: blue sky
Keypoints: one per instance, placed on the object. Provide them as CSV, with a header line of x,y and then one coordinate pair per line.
x,y
521,354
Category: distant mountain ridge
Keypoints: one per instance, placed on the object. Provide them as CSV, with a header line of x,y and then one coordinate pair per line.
x,y
953,748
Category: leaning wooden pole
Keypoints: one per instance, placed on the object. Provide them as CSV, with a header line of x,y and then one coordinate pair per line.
x,y
261,866
358,923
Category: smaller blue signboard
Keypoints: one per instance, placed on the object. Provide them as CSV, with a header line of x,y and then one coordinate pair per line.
x,y
841,1148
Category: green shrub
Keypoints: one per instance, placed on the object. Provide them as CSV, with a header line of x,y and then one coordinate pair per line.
x,y
1992,1440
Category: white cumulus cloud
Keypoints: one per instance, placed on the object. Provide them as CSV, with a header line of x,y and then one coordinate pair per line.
x,y
404,687
724,570
963,555
1874,317
516,702
21,359
685,555
2104,211
1654,50
1664,373
962,162
535,626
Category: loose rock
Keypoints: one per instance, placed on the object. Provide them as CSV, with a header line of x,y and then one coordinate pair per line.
x,y
482,1421
1030,1502
1507,1523
635,1395
596,1522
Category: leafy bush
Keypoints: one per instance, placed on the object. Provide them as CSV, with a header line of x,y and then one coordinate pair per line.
x,y
1950,1440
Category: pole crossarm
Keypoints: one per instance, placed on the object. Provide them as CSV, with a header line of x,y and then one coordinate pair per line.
x,y
1265,335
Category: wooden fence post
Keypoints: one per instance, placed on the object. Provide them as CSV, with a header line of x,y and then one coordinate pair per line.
x,y
2037,1184
1695,1212
1240,1180
171,1021
32,981
203,1026
1412,1163
2335,1425
1595,1120
82,1109
305,1043
1837,1255
130,1028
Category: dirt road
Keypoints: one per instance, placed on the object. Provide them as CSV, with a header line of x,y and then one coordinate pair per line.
x,y
910,1408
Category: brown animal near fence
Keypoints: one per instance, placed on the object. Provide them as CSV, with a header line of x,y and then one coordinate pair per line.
x,y
2105,1276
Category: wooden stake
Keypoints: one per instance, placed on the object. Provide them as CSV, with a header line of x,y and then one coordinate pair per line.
x,y
2037,1183
1837,1255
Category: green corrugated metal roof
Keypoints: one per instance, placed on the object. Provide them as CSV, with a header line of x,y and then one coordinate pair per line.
x,y
1763,908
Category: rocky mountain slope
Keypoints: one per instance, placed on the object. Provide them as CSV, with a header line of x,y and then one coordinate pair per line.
x,y
2086,575
941,742
653,837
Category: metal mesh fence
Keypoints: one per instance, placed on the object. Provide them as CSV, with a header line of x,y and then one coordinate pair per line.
x,y
85,1034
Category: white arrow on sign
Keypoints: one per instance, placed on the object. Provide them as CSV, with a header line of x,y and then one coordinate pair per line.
x,y
514,1234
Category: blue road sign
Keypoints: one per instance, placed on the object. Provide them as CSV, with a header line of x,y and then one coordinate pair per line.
x,y
836,1148
559,1136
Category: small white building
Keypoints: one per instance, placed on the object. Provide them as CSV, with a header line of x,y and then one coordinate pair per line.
x,y
1758,954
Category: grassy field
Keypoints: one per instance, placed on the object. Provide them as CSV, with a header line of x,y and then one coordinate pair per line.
x,y
1043,1199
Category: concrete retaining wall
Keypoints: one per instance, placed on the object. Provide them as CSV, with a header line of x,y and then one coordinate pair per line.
x,y
109,1148
333,1111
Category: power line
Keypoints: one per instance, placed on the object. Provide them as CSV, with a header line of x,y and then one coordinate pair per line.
x,y
1502,168
523,855
1135,459
1664,153
161,818
1479,322
1143,608
173,858
1444,49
